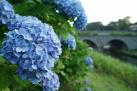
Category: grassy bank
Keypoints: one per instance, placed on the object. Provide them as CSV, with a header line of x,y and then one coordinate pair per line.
x,y
110,66
105,82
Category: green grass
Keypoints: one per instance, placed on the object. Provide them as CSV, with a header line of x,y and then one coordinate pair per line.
x,y
105,82
111,74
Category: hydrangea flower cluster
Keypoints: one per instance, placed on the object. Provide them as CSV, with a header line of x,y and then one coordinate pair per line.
x,y
6,12
30,34
70,41
52,83
89,61
81,22
48,79
87,83
88,89
34,47
73,9
86,86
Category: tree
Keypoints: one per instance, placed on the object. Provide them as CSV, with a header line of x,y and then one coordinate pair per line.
x,y
124,24
120,25
95,26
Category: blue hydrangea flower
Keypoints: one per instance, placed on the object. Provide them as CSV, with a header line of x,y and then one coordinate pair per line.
x,y
87,82
71,42
47,78
81,22
89,61
88,89
6,11
32,45
51,82
23,21
34,76
72,9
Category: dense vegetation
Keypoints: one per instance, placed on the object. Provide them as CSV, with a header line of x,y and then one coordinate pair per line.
x,y
40,45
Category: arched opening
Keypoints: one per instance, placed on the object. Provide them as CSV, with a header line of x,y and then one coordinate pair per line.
x,y
115,45
91,44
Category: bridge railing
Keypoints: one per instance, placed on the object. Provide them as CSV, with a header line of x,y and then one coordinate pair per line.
x,y
111,33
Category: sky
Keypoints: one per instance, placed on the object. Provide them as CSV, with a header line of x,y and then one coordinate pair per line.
x,y
110,10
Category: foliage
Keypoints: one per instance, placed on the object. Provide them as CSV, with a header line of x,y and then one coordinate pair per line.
x,y
120,25
108,65
95,26
101,81
6,79
70,66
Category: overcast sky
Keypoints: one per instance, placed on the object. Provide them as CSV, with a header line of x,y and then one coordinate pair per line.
x,y
110,10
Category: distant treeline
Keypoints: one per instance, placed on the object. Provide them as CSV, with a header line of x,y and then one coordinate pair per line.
x,y
120,25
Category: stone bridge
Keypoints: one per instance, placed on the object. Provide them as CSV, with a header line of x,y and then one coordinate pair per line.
x,y
111,42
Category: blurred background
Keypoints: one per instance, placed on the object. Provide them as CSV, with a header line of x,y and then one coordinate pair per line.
x,y
112,32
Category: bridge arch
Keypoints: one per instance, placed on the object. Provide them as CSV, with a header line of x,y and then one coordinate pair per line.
x,y
116,45
91,43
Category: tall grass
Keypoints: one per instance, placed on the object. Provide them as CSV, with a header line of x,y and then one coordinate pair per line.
x,y
104,82
109,65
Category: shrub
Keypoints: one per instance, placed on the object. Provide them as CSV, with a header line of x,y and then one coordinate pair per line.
x,y
38,31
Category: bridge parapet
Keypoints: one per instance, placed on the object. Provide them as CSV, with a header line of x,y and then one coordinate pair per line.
x,y
106,33
101,40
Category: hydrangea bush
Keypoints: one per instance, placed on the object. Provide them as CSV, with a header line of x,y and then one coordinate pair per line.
x,y
42,44
6,11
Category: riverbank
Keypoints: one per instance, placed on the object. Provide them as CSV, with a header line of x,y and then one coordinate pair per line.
x,y
111,74
105,82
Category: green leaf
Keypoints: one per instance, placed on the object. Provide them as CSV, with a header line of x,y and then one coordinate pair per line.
x,y
62,73
7,89
1,60
6,76
22,8
60,65
16,1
